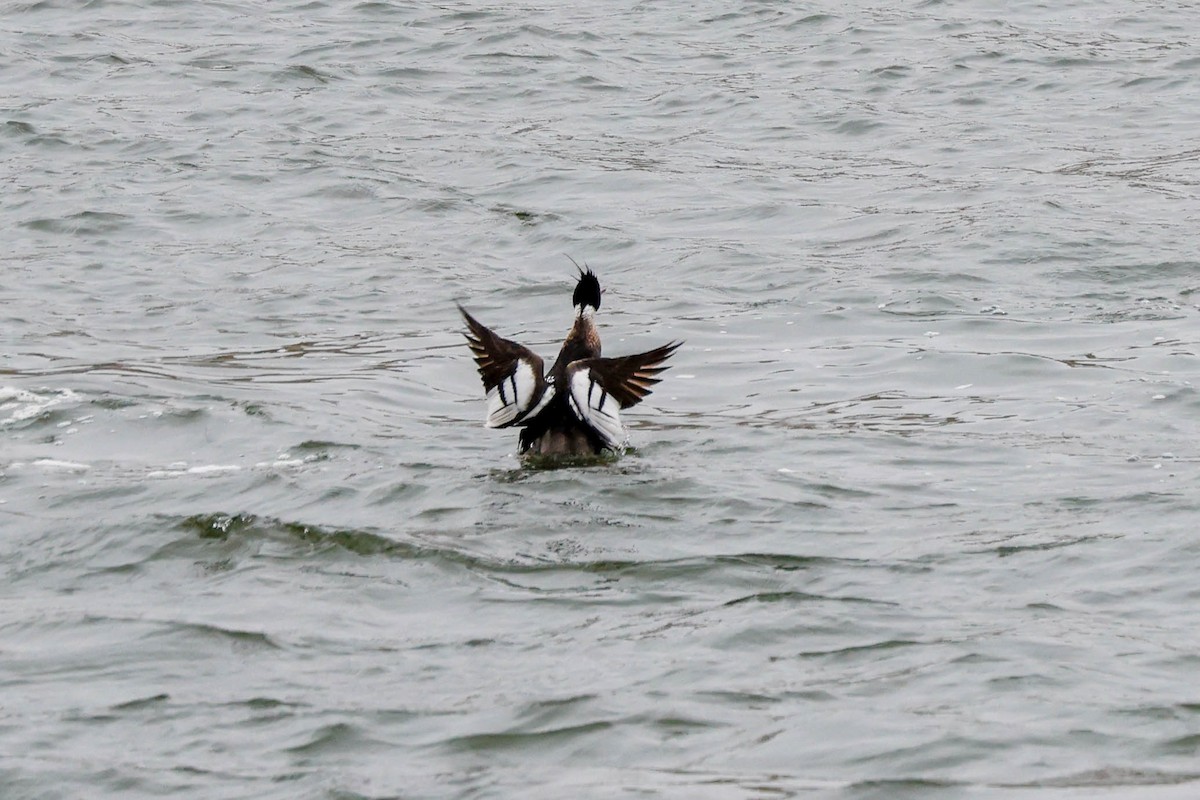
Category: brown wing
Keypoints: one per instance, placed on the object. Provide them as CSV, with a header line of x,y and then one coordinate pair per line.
x,y
512,374
627,378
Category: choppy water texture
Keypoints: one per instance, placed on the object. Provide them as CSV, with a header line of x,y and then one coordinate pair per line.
x,y
913,515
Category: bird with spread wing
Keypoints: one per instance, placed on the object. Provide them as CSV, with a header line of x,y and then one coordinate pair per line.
x,y
575,408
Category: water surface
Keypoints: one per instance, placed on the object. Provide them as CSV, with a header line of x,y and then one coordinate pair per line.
x,y
912,515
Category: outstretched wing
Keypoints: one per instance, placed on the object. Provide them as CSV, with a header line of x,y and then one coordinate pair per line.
x,y
512,375
601,387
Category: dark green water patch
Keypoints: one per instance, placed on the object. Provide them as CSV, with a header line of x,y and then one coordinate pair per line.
x,y
1010,550
113,403
140,703
1184,745
17,127
1113,776
222,527
335,738
486,742
801,597
539,463
240,639
304,72
85,223
264,704
246,528
874,647
318,444
904,789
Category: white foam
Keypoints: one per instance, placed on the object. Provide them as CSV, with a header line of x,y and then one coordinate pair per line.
x,y
177,468
209,469
283,463
68,466
18,405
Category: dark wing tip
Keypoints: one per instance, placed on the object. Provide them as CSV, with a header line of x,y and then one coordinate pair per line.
x,y
661,354
631,378
495,356
471,321
476,331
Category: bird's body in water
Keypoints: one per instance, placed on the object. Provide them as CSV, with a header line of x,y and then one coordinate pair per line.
x,y
574,409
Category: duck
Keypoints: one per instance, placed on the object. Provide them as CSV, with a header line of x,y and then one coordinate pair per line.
x,y
574,409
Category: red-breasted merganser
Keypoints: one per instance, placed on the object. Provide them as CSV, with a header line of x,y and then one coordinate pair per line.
x,y
575,409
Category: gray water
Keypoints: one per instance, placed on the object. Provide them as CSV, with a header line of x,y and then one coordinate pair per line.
x,y
913,515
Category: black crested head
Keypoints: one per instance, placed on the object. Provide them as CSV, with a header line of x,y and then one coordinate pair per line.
x,y
587,291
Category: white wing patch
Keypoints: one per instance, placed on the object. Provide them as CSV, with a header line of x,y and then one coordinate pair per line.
x,y
547,396
596,408
511,398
